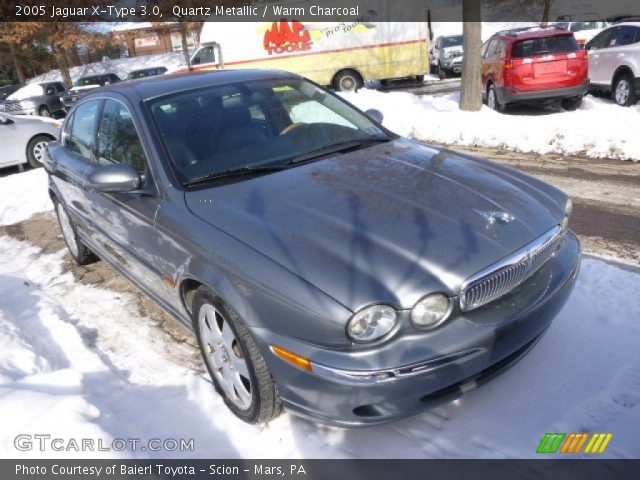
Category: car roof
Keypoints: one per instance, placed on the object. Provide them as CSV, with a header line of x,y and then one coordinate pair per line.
x,y
625,24
533,33
152,87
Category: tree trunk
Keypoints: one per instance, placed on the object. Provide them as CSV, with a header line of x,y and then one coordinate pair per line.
x,y
546,12
16,64
63,65
184,30
471,83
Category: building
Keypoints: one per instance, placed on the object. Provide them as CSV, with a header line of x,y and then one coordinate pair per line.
x,y
145,38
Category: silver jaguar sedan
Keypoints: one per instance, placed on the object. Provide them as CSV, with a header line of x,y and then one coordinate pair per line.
x,y
326,265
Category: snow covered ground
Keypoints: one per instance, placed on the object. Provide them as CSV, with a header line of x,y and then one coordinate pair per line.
x,y
599,128
78,361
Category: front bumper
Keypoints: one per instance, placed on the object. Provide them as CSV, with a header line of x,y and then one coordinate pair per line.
x,y
454,65
420,370
510,95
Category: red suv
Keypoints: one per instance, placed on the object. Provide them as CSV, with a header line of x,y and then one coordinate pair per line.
x,y
534,64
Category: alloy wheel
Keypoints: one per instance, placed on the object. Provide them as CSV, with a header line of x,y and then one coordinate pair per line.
x,y
38,151
225,356
622,92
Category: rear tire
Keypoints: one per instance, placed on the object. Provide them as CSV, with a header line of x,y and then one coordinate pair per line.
x,y
623,92
233,360
347,81
571,104
78,250
35,150
492,99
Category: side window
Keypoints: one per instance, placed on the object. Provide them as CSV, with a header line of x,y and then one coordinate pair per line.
x,y
488,52
66,132
83,127
612,39
600,40
204,55
626,36
500,49
118,141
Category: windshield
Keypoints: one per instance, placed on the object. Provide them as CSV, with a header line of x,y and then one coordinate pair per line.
x,y
452,41
83,82
255,124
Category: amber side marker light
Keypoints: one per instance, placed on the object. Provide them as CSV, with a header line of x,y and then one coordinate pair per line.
x,y
291,357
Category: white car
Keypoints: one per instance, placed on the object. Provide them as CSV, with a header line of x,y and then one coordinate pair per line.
x,y
23,139
582,31
614,62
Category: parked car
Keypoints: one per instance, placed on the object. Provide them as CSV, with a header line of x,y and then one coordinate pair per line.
x,y
446,55
582,31
42,99
23,139
146,72
325,264
534,64
8,90
614,62
85,84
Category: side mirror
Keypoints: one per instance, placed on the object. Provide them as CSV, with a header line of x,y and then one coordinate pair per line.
x,y
375,115
116,178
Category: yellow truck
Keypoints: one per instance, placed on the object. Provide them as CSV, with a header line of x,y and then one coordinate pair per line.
x,y
342,55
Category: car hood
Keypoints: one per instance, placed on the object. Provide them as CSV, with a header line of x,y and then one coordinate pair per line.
x,y
389,223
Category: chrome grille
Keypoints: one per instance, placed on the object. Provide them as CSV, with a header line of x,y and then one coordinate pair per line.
x,y
503,276
12,107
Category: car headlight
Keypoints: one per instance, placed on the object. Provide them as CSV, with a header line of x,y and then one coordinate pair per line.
x,y
568,208
431,310
371,323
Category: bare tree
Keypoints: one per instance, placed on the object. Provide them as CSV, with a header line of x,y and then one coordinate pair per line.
x,y
546,12
471,83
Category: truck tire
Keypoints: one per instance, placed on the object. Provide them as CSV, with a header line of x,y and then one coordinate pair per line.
x,y
347,80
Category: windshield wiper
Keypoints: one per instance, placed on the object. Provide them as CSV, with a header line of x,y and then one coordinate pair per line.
x,y
236,172
336,148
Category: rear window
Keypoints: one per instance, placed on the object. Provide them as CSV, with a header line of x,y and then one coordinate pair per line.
x,y
544,45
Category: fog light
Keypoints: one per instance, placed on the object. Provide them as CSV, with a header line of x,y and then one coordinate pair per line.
x,y
431,310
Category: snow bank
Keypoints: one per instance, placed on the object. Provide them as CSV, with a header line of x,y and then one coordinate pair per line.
x,y
22,195
599,129
28,91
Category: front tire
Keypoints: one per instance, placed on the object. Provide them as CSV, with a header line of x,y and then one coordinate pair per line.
x,y
233,360
44,111
78,250
442,74
35,150
623,92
